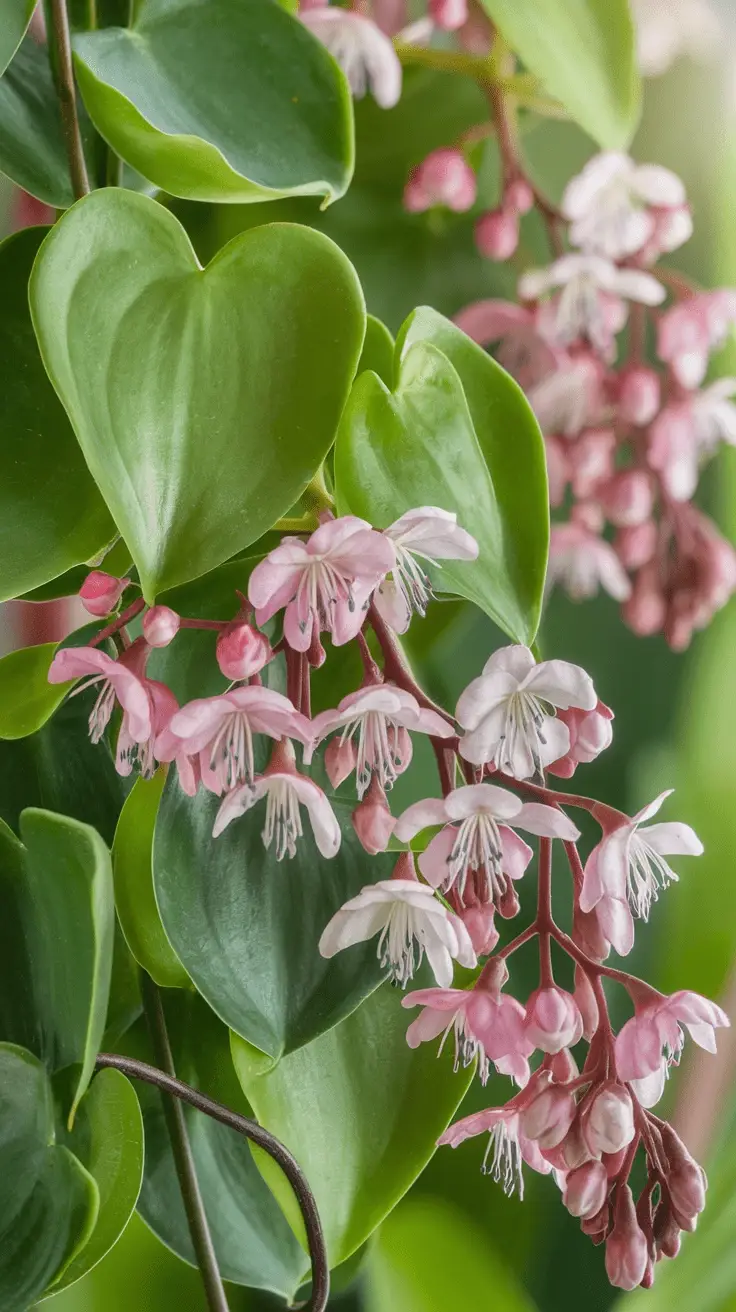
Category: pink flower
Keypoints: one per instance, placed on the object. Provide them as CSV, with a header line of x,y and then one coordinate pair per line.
x,y
242,650
427,533
688,430
591,301
508,1147
689,331
118,680
443,178
570,396
558,469
449,14
100,592
475,837
132,751
547,1117
487,1024
611,204
375,723
583,562
505,711
219,730
285,790
639,395
324,583
366,56
652,1040
497,234
669,29
553,1021
522,349
635,546
628,498
590,734
591,459
160,626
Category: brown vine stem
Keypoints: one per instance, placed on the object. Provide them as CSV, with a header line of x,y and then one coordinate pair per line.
x,y
140,1070
60,50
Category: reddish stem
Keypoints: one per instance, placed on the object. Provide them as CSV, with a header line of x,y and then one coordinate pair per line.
x,y
396,666
517,942
115,625
371,670
544,913
215,625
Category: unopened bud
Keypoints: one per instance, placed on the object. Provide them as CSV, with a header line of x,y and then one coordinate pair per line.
x,y
586,1189
101,592
160,626
443,178
645,611
372,819
627,1251
552,1021
639,395
518,196
635,546
508,905
607,1119
480,924
598,1225
340,760
449,14
666,1231
586,1003
563,1066
628,498
242,650
497,234
548,1116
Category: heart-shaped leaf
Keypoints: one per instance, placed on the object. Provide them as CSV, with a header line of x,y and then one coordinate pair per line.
x,y
57,939
246,927
132,856
14,19
378,351
204,400
442,439
360,1110
51,514
27,699
48,1201
220,100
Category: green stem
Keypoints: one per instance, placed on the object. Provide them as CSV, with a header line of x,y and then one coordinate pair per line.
x,y
60,55
182,1152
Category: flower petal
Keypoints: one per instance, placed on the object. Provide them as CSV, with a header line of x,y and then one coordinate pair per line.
x,y
562,684
434,860
475,799
546,821
349,926
671,838
419,816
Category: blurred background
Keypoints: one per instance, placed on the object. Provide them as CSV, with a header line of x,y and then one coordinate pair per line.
x,y
456,1242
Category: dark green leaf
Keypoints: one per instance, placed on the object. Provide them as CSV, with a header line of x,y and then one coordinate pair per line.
x,y
51,514
360,1111
31,139
221,100
378,351
27,699
204,401
246,927
14,19
57,931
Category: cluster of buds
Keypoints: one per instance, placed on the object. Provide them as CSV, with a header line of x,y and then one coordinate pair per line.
x,y
460,854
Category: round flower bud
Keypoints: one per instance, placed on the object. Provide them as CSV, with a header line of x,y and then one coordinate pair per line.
x,y
627,1251
101,592
607,1119
628,498
160,626
639,395
586,1189
635,545
549,1115
242,650
553,1021
497,234
518,196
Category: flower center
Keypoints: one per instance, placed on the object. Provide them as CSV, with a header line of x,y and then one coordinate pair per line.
x,y
648,873
477,847
231,752
283,821
380,750
579,312
412,581
399,950
467,1046
321,586
523,732
506,1162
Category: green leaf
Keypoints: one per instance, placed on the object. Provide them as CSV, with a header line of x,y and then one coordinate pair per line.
x,y
458,1269
220,100
57,939
135,900
360,1111
204,400
27,699
246,927
51,514
253,1242
442,439
584,53
48,1201
15,16
108,1140
378,351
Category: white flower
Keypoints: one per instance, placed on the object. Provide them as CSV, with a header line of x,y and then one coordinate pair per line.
x,y
667,29
506,712
582,562
365,55
284,791
590,303
714,414
410,921
427,533
610,203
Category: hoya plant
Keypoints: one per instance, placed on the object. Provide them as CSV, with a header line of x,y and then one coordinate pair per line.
x,y
263,887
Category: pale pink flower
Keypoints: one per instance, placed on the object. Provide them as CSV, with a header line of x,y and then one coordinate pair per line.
x,y
376,722
610,203
652,1040
497,234
591,459
627,1250
558,469
132,751
635,546
100,592
443,178
639,394
628,498
365,55
449,14
522,350
324,583
590,734
583,562
669,29
487,1025
607,1119
592,294
570,396
160,626
285,790
553,1021
242,650
119,680
505,712
427,533
700,575
631,858
219,730
476,836
689,331
687,431
508,1147
168,747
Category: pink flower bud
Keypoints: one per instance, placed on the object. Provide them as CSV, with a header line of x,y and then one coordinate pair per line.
x,y
597,1226
607,1119
586,1003
480,924
548,1117
372,819
508,904
340,760
563,1066
586,1189
571,1152
591,457
449,14
635,546
518,196
160,626
552,1020
639,395
100,592
443,178
587,933
628,498
686,1180
645,611
242,650
666,1231
497,234
627,1251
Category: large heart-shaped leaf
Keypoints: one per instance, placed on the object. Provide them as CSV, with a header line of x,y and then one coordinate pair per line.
x,y
48,1201
27,699
57,939
246,927
221,100
360,1111
15,16
253,1242
51,514
422,445
584,53
204,400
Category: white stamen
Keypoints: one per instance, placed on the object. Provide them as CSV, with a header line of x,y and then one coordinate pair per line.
x,y
231,753
411,580
477,847
648,874
525,717
507,1160
399,951
320,588
282,819
378,751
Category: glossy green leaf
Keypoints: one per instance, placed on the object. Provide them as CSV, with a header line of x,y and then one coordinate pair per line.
x,y
48,1201
583,51
27,699
15,16
378,351
124,1003
459,1268
246,927
108,1140
419,446
220,100
57,939
254,1244
132,854
51,514
204,400
360,1111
